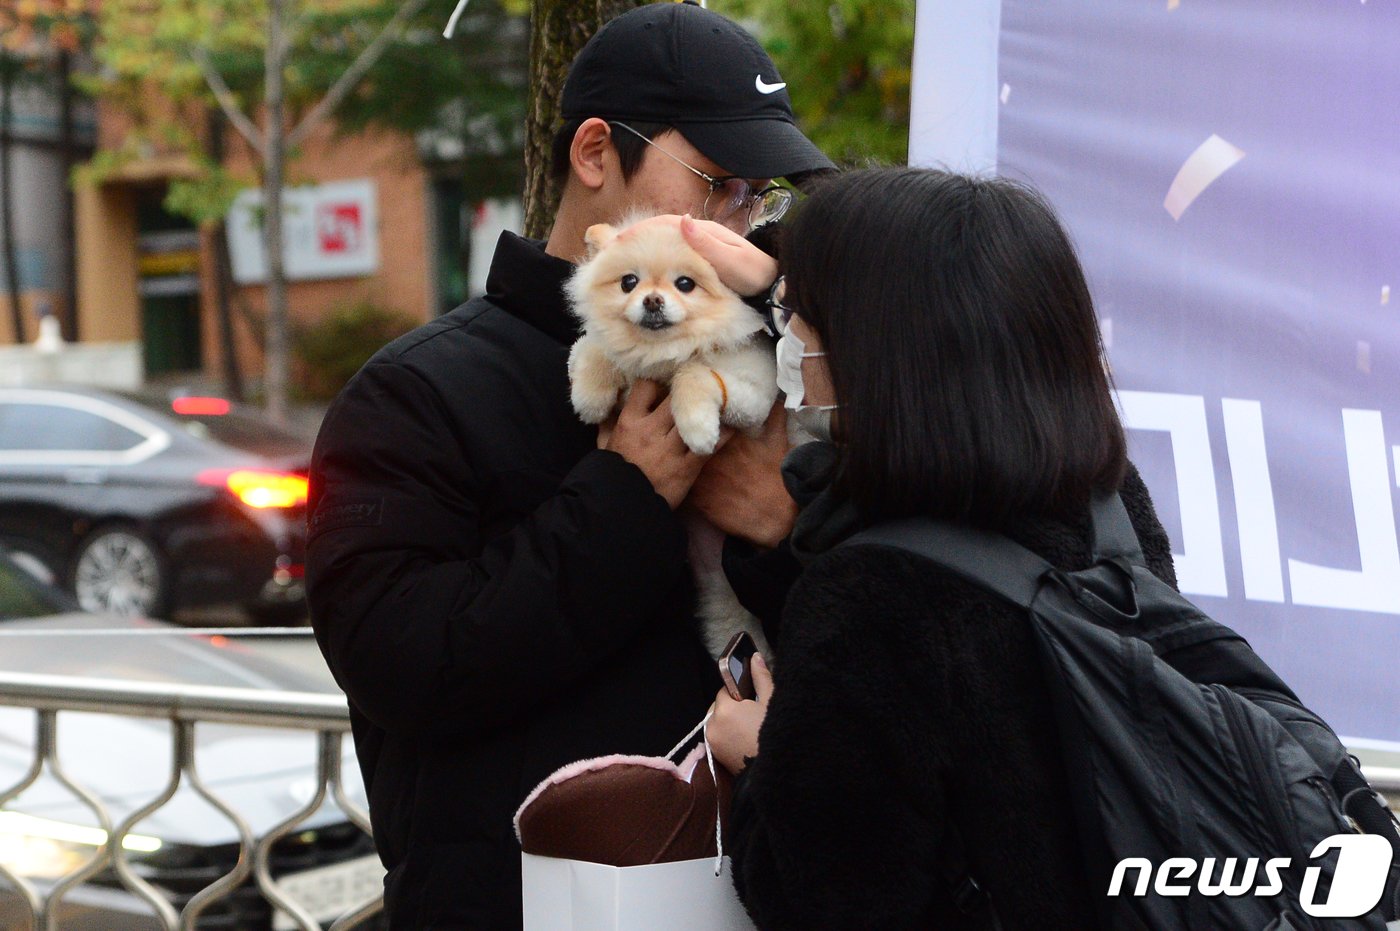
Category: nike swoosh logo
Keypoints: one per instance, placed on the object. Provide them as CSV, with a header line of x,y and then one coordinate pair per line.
x,y
765,88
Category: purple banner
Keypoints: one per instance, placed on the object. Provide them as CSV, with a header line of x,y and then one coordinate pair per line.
x,y
1231,174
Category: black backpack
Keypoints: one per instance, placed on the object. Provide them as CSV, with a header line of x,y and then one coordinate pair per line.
x,y
1179,741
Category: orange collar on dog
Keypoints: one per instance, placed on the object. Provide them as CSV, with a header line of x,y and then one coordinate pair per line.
x,y
723,392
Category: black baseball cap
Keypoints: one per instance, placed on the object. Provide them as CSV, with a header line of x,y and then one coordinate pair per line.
x,y
680,64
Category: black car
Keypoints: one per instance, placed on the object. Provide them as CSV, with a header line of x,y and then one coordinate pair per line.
x,y
141,505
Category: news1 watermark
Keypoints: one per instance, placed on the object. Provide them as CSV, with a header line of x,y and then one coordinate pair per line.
x,y
1357,883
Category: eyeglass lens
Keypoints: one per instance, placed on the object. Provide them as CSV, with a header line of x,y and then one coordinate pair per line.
x,y
778,314
735,194
730,195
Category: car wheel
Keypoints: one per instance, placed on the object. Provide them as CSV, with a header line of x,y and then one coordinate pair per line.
x,y
119,571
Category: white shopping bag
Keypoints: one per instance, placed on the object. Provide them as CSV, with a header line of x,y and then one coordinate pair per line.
x,y
574,895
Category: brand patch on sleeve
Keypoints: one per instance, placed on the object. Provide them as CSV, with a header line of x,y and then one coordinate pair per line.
x,y
340,512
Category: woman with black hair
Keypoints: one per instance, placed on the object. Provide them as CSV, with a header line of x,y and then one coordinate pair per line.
x,y
940,328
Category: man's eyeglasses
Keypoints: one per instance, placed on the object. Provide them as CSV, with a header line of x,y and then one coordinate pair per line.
x,y
730,195
779,314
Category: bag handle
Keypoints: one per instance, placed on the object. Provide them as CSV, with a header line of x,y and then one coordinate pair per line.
x,y
703,728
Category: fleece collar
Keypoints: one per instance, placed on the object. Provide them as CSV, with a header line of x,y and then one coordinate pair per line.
x,y
825,519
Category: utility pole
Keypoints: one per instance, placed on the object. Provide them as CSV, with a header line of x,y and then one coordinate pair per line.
x,y
68,157
275,139
9,68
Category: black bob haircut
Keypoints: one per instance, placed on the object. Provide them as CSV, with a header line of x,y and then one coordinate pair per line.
x,y
629,148
962,345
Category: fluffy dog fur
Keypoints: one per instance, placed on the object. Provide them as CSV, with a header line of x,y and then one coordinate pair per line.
x,y
652,307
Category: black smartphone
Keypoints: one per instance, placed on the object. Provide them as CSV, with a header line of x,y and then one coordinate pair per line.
x,y
734,666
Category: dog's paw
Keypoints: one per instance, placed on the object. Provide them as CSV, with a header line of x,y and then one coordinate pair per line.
x,y
593,406
699,428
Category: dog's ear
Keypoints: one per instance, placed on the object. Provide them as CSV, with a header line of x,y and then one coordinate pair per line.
x,y
597,237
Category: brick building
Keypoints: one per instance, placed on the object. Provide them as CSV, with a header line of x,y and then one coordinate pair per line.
x,y
148,278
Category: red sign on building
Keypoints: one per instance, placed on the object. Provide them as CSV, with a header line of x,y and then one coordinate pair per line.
x,y
339,228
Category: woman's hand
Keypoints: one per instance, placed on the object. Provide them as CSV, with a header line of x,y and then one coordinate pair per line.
x,y
733,728
742,266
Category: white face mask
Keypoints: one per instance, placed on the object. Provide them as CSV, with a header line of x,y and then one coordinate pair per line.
x,y
815,419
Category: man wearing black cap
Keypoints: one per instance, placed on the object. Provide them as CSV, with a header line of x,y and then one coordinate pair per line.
x,y
497,595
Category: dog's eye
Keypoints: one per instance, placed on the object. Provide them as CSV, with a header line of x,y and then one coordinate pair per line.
x,y
685,285
628,283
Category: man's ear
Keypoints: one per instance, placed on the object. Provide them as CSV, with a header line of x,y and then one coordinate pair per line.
x,y
597,237
589,152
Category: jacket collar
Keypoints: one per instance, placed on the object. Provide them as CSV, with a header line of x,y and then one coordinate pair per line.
x,y
809,471
528,283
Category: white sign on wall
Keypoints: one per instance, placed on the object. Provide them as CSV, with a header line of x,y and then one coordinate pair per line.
x,y
329,231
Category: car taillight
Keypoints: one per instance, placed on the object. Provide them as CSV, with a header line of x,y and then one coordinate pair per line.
x,y
205,407
259,489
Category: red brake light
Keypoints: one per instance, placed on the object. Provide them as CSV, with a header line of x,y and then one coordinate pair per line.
x,y
259,489
206,407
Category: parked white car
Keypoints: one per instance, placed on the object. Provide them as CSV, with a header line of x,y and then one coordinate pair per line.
x,y
264,774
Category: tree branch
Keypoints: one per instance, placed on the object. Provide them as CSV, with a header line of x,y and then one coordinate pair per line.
x,y
227,103
352,75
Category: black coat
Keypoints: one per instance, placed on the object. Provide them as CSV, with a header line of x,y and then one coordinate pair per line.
x,y
908,701
496,596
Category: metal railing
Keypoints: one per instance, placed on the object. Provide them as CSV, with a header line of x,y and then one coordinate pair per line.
x,y
186,707
1385,780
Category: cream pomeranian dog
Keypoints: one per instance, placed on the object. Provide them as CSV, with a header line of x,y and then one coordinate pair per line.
x,y
652,307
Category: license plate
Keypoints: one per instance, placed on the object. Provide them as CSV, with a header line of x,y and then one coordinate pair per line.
x,y
328,892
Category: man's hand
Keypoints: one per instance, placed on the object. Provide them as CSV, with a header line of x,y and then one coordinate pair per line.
x,y
645,435
741,491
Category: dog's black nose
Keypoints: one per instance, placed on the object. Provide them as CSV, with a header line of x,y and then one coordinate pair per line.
x,y
654,312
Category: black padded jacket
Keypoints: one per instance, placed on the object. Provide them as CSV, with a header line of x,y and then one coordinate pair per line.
x,y
496,596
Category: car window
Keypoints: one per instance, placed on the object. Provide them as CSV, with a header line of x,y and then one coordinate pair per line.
x,y
35,426
250,434
230,424
22,596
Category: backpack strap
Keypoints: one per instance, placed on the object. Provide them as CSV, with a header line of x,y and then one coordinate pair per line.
x,y
998,563
1363,805
979,556
1114,536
